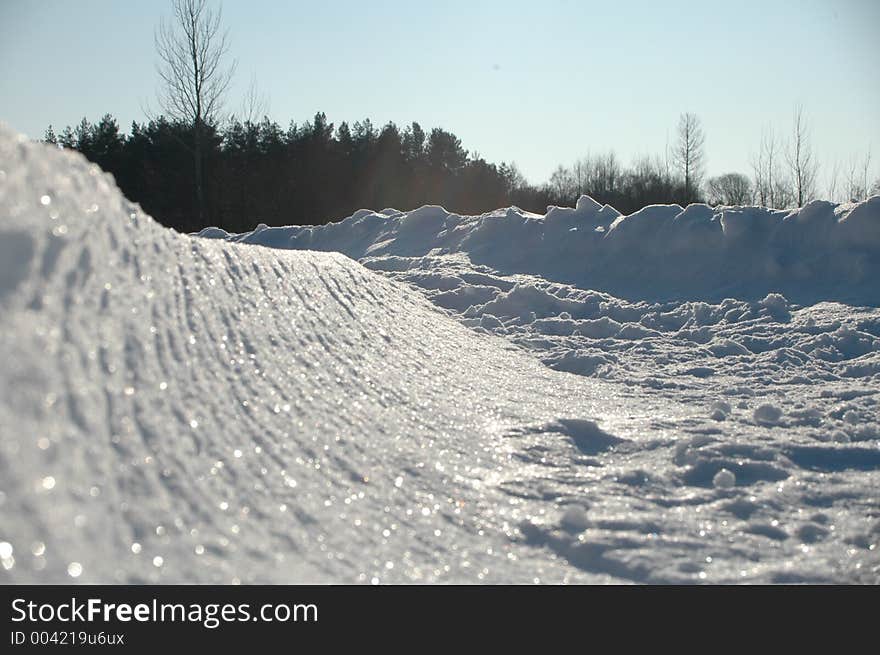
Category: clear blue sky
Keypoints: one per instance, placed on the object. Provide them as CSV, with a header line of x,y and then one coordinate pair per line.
x,y
539,83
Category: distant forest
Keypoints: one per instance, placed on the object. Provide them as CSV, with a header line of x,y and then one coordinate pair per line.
x,y
257,172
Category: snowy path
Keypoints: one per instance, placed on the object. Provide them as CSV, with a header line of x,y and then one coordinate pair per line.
x,y
175,409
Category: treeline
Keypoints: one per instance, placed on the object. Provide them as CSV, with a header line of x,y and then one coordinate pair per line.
x,y
785,174
257,172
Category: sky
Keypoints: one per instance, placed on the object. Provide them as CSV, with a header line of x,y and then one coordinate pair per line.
x,y
540,83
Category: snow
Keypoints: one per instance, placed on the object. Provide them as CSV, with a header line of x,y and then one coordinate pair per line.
x,y
767,414
575,519
823,251
474,401
724,479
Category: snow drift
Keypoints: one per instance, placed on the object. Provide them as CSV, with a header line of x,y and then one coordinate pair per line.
x,y
176,409
823,251
184,410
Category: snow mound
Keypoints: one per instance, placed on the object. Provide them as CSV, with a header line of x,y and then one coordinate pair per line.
x,y
186,410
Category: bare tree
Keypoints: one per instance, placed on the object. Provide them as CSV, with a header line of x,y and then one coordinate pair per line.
x,y
833,181
799,155
853,189
596,175
608,173
763,168
192,49
866,169
688,153
772,187
580,175
858,180
254,105
562,184
729,189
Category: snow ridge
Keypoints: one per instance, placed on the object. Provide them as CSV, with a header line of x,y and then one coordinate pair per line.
x,y
184,410
823,251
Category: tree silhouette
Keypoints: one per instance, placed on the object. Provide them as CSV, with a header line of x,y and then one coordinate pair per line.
x,y
729,189
799,156
688,154
192,49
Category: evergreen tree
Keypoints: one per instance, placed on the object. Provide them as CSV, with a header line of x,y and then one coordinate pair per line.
x,y
257,172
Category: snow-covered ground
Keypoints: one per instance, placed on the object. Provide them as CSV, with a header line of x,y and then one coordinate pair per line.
x,y
505,398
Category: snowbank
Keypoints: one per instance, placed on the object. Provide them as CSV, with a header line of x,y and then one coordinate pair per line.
x,y
823,251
